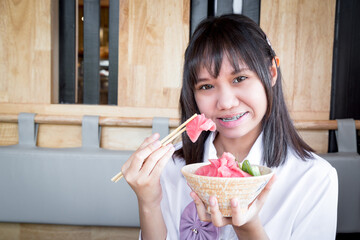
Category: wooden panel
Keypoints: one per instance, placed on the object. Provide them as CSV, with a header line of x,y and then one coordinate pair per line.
x,y
17,231
66,136
58,136
121,138
302,33
25,51
316,139
115,138
152,40
79,110
10,231
8,134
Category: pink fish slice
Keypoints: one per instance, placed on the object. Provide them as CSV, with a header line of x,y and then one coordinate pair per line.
x,y
195,127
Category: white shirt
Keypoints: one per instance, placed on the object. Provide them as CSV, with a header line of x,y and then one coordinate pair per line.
x,y
302,203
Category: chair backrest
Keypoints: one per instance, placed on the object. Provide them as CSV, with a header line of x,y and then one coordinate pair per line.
x,y
347,163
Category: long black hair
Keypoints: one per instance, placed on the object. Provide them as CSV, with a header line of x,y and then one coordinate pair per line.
x,y
242,41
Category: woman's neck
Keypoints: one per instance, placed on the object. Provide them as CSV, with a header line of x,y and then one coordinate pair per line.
x,y
239,147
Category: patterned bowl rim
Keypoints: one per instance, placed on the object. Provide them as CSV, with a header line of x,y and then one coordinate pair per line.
x,y
189,171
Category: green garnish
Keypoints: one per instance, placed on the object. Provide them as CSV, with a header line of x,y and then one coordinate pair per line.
x,y
252,170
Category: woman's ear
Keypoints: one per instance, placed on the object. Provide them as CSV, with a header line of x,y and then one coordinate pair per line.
x,y
273,70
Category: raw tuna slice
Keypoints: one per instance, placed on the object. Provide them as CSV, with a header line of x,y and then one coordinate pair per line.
x,y
197,125
226,166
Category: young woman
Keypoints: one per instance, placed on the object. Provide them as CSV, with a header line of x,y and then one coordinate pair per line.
x,y
232,75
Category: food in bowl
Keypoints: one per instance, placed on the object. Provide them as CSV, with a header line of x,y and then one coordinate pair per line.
x,y
227,166
245,189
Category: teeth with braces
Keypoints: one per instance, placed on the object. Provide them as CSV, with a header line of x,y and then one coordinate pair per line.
x,y
234,118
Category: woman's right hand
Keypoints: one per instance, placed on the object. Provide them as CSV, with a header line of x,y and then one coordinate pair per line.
x,y
143,169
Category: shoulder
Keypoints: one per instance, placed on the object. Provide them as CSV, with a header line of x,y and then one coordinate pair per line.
x,y
314,170
320,163
320,166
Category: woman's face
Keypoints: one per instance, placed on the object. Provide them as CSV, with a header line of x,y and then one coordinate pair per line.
x,y
235,101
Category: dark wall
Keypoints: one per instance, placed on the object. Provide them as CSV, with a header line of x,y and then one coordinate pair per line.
x,y
345,89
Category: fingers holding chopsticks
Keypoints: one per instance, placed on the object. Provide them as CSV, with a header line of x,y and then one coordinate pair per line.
x,y
156,168
145,143
149,142
143,169
150,139
144,159
151,163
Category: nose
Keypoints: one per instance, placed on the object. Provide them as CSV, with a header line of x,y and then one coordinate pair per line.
x,y
227,98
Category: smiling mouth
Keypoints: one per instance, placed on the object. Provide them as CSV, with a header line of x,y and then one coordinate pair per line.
x,y
234,118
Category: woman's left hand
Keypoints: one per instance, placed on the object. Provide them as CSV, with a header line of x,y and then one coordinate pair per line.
x,y
239,217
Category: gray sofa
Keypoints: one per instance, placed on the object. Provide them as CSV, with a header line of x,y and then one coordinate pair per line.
x,y
66,185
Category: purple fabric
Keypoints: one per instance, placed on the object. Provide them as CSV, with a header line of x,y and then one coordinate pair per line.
x,y
192,228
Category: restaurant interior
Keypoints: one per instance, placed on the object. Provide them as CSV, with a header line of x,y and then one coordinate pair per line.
x,y
84,82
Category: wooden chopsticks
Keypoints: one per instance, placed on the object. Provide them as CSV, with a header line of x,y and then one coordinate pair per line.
x,y
165,141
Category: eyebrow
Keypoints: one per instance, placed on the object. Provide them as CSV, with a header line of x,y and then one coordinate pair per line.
x,y
234,72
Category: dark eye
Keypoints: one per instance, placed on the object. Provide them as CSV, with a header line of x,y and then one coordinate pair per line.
x,y
239,79
206,87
